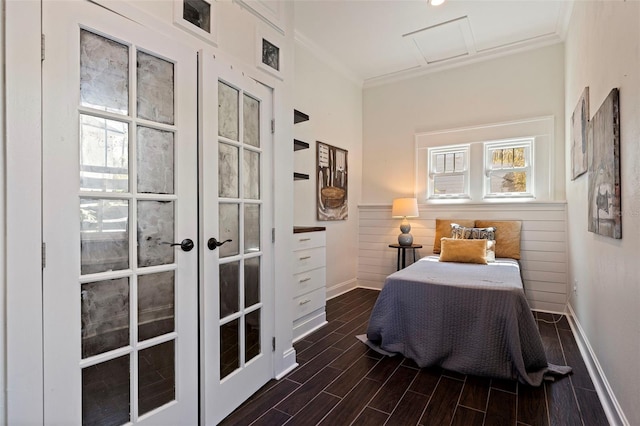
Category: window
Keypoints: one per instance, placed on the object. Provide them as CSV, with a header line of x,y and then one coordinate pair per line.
x,y
508,169
449,172
514,161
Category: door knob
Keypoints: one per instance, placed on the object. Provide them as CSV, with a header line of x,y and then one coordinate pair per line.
x,y
214,244
185,245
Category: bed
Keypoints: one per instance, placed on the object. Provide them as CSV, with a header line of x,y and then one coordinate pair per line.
x,y
466,317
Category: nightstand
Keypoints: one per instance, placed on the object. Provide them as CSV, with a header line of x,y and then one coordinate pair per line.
x,y
404,249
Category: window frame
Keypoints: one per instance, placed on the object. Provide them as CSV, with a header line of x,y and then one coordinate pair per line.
x,y
528,143
545,158
465,149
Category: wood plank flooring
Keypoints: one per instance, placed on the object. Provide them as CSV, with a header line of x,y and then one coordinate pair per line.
x,y
341,382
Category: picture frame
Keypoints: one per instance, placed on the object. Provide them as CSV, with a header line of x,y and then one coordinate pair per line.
x,y
332,195
579,129
197,17
269,53
604,211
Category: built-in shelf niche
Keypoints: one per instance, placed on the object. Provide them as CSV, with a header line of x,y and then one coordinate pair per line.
x,y
298,145
299,117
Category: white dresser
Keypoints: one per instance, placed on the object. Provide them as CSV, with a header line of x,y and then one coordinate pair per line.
x,y
309,280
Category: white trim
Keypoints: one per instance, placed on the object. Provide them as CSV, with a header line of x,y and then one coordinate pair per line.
x,y
314,322
288,363
341,288
326,58
3,228
375,286
419,71
514,205
24,362
261,9
610,404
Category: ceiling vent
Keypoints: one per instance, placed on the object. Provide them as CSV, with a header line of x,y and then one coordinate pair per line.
x,y
442,42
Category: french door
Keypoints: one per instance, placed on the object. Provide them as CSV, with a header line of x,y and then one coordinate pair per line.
x,y
236,214
151,238
119,191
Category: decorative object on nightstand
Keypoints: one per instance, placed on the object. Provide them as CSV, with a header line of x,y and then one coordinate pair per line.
x,y
404,208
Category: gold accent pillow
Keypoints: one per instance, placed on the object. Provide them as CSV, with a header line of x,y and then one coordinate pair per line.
x,y
463,251
443,229
507,236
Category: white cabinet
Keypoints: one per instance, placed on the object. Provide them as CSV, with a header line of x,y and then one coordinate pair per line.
x,y
309,278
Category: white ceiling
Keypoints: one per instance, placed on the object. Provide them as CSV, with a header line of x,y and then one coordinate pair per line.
x,y
382,40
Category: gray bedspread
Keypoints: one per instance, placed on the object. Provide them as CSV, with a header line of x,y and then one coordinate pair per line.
x,y
469,318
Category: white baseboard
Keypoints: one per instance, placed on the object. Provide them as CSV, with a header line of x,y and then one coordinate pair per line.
x,y
309,324
341,288
289,362
548,311
370,285
609,402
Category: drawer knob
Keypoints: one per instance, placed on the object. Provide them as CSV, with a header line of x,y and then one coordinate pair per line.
x,y
304,302
305,257
304,239
305,279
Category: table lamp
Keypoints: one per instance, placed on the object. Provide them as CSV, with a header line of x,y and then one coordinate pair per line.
x,y
404,208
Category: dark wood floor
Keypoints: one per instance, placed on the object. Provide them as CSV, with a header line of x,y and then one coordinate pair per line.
x,y
341,382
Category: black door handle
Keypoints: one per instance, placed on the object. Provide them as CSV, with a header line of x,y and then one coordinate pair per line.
x,y
214,244
185,245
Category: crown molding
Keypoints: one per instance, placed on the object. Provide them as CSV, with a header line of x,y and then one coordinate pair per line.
x,y
327,58
481,56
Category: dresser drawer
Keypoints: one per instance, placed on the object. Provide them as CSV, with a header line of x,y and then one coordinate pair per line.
x,y
304,282
305,260
306,240
307,303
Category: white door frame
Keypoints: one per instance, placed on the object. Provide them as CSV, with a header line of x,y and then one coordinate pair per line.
x,y
24,363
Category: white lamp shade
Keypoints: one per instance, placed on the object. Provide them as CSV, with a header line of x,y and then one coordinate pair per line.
x,y
405,207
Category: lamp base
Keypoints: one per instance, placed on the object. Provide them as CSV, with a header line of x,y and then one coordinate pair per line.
x,y
405,239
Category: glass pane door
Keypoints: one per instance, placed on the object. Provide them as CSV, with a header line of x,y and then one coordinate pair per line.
x,y
120,334
238,317
239,159
239,153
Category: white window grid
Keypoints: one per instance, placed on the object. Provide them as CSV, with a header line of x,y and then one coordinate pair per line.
x,y
490,148
451,162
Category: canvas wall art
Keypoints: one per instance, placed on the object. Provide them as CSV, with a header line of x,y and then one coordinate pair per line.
x,y
604,169
332,188
579,128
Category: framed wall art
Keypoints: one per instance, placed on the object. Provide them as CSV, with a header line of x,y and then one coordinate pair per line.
x,y
332,186
604,169
579,128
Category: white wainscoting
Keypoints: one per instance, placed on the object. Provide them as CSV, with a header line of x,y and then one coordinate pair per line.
x,y
543,244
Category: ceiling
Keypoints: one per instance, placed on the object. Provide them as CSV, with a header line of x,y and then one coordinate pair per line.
x,y
382,40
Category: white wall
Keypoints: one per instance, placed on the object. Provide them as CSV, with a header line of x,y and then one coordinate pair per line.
x,y
334,104
520,86
603,52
